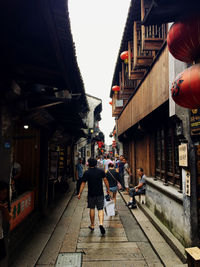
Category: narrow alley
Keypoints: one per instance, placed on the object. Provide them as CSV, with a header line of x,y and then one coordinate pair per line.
x,y
124,244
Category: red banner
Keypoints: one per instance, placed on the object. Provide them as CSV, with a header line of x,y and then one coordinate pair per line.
x,y
21,208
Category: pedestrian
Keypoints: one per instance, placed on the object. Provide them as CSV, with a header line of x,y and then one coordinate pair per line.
x,y
113,177
107,161
4,218
137,190
95,177
121,171
79,174
127,174
117,163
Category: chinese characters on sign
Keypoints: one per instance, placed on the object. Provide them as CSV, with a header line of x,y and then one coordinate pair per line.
x,y
187,184
21,208
183,155
195,122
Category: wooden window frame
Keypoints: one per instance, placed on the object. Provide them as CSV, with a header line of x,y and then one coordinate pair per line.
x,y
169,177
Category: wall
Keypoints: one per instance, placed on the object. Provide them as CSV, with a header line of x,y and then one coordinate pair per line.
x,y
167,204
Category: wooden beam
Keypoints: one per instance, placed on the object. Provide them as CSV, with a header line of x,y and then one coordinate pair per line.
x,y
143,61
152,44
137,74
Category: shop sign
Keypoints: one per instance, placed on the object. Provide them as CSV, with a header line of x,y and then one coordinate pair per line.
x,y
21,208
187,184
195,122
119,103
183,155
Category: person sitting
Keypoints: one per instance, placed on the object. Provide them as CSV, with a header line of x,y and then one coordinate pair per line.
x,y
137,190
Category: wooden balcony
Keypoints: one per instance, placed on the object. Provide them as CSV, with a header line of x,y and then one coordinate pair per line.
x,y
119,100
153,36
152,93
141,59
137,74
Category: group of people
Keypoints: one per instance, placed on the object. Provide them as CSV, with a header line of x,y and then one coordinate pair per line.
x,y
113,173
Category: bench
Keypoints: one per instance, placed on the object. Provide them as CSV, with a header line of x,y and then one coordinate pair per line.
x,y
193,256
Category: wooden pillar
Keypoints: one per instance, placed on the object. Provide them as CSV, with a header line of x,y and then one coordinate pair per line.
x,y
43,189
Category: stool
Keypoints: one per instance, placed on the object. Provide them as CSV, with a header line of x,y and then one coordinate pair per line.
x,y
142,199
193,256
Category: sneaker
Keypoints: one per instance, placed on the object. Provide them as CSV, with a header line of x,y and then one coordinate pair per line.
x,y
129,204
102,229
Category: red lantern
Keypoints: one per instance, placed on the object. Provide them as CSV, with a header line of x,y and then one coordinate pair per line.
x,y
100,144
116,89
124,55
183,40
186,88
110,103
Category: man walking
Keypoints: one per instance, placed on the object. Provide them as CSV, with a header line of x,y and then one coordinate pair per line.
x,y
94,176
79,175
137,190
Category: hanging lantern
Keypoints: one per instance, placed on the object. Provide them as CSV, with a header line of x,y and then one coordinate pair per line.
x,y
183,40
186,88
116,89
124,56
110,103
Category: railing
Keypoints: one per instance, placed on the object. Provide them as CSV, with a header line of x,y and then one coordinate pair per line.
x,y
128,83
155,31
138,35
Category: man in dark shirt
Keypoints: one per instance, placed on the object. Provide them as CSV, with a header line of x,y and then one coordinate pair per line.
x,y
94,177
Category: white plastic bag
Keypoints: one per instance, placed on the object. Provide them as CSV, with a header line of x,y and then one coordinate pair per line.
x,y
109,207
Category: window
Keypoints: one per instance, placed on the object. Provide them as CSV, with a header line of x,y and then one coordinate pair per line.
x,y
166,154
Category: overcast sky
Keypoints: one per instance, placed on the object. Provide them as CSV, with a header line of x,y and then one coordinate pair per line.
x,y
97,28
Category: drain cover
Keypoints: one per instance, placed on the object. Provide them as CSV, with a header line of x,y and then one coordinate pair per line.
x,y
69,260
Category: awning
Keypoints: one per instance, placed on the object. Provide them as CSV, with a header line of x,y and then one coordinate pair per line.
x,y
37,47
164,11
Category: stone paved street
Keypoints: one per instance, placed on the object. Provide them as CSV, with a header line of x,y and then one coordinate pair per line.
x,y
124,244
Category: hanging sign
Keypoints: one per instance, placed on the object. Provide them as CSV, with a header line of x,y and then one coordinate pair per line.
x,y
183,155
195,122
21,208
187,184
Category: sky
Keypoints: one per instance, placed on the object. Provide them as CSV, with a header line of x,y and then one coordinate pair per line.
x,y
97,29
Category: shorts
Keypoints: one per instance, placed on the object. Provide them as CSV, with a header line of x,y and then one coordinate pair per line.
x,y
97,201
126,181
113,189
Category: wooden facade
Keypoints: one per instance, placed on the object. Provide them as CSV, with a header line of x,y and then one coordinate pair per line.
x,y
140,153
26,152
153,92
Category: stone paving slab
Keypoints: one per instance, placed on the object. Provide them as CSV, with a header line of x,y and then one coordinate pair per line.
x,y
165,252
108,245
53,247
110,224
116,254
141,263
118,232
105,238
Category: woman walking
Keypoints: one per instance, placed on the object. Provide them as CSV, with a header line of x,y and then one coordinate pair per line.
x,y
113,178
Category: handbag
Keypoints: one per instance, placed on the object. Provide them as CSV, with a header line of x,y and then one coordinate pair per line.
x,y
119,186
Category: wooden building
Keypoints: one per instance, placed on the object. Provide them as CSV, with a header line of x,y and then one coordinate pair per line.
x,y
149,124
42,104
